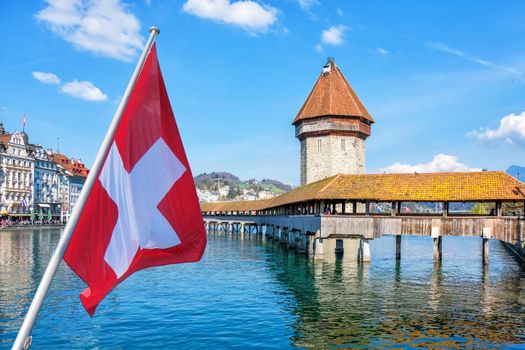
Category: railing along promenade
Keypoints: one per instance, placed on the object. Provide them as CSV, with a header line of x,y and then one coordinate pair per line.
x,y
343,213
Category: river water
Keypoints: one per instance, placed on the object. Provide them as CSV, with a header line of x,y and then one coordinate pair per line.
x,y
249,293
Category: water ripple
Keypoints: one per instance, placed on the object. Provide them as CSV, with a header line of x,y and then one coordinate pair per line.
x,y
248,293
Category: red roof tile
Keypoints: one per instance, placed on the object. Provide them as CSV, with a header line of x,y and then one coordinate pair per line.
x,y
332,95
73,166
438,187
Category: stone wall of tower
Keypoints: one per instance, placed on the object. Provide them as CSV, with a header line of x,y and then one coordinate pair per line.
x,y
324,156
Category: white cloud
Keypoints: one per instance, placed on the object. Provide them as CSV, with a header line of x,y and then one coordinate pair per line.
x,y
319,48
382,51
84,90
306,4
104,27
511,130
440,163
446,49
249,15
46,78
340,12
333,35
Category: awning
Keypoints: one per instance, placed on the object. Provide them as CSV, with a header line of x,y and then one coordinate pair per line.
x,y
43,205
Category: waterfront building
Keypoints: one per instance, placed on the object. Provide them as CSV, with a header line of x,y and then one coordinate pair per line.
x,y
72,175
332,126
46,183
16,174
33,179
77,179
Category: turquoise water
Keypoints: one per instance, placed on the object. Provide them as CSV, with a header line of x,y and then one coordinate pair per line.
x,y
248,293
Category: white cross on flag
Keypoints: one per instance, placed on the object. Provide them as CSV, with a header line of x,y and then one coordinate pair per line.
x,y
143,209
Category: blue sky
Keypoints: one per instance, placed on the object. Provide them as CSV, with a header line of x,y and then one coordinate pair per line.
x,y
444,81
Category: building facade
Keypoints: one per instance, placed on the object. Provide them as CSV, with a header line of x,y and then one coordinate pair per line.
x,y
16,174
46,186
36,180
332,126
71,176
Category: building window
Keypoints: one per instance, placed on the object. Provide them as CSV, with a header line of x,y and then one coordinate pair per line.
x,y
343,146
318,145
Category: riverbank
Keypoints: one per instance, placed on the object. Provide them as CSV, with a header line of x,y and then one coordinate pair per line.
x,y
30,227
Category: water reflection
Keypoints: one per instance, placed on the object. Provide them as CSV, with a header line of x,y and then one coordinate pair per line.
x,y
252,293
411,302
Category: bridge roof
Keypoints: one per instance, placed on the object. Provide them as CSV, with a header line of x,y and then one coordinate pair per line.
x,y
433,187
237,206
332,95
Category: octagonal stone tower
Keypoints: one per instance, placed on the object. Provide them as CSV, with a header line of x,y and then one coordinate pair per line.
x,y
332,126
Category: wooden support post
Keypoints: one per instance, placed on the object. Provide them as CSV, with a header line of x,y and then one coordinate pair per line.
x,y
283,235
499,209
445,209
485,235
394,209
310,245
485,251
354,207
343,209
367,208
438,249
363,254
398,247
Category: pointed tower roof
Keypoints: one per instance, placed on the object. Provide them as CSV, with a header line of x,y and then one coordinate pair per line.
x,y
332,95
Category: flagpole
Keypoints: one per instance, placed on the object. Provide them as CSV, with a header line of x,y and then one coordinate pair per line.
x,y
23,339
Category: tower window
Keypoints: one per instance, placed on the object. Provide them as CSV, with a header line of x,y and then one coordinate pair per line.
x,y
318,145
343,146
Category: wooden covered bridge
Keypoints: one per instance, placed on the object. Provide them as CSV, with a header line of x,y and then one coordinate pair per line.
x,y
343,212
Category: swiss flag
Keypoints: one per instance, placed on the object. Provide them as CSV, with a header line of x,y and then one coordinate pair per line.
x,y
143,209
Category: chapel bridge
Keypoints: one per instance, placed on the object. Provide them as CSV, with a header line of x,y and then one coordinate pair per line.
x,y
343,212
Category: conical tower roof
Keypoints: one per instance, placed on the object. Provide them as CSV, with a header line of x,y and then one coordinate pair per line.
x,y
332,95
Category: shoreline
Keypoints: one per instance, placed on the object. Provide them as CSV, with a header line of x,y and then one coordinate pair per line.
x,y
20,227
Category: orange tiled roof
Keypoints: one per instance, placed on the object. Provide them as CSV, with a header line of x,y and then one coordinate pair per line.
x,y
332,95
438,187
73,166
236,206
5,138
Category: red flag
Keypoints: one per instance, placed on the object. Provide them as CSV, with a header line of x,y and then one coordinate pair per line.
x,y
143,209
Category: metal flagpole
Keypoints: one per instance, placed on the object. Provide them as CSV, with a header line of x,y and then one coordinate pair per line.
x,y
24,339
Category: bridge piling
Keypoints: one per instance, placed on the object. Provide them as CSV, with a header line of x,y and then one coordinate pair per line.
x,y
283,235
486,235
398,247
302,243
291,239
269,232
363,254
438,249
318,248
485,251
436,236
